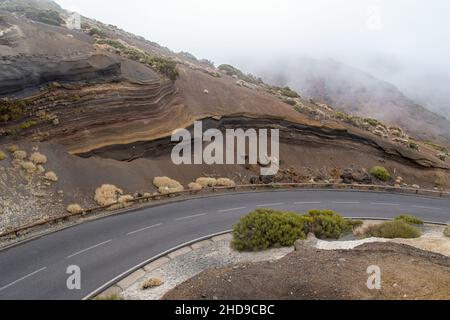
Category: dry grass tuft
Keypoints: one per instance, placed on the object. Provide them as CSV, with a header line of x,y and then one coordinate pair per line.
x,y
152,283
74,208
166,185
195,186
20,155
206,182
107,194
225,182
28,166
38,158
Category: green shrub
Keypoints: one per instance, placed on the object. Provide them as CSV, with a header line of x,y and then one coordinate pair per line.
x,y
392,230
265,228
13,148
11,110
409,219
288,92
289,101
355,223
447,231
97,32
414,146
374,122
165,66
380,173
28,124
113,43
2,155
328,224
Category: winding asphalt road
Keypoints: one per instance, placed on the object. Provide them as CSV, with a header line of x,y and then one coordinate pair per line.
x,y
105,248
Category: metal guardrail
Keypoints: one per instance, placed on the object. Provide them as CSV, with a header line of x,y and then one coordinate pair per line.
x,y
272,186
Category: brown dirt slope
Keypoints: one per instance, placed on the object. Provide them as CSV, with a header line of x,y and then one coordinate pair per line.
x,y
406,273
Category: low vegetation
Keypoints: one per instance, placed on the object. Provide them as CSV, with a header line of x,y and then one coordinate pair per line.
x,y
195,186
20,155
392,230
409,219
225,182
28,166
267,228
327,224
152,283
74,208
2,156
167,185
51,176
11,110
107,194
38,158
12,148
380,173
162,65
447,231
233,71
206,182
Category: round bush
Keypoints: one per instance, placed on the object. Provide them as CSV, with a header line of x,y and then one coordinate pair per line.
x,y
265,228
380,173
409,219
392,230
328,224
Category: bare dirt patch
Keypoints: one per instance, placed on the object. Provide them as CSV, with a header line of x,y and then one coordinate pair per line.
x,y
309,273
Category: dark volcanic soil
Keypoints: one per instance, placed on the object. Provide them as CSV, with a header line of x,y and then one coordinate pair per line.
x,y
406,273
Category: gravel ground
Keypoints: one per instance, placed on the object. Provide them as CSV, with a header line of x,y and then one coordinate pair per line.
x,y
213,255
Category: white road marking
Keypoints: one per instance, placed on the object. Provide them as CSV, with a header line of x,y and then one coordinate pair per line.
x,y
23,278
87,249
310,202
384,204
232,209
143,229
191,217
346,202
431,208
270,204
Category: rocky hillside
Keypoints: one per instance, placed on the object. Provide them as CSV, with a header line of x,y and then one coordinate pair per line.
x,y
101,103
356,92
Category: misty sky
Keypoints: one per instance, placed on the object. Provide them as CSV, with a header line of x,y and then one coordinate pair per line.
x,y
398,40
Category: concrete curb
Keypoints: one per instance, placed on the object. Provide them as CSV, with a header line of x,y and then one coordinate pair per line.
x,y
126,279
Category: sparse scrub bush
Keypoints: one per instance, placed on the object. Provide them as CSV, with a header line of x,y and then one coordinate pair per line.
x,y
28,166
2,155
265,228
20,155
40,168
38,158
225,182
151,283
74,208
380,173
97,32
327,224
374,122
447,230
11,110
195,186
288,92
289,101
107,194
51,176
206,182
414,146
409,219
167,185
28,124
13,148
392,230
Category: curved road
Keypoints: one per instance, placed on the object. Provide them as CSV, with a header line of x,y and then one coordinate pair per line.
x,y
106,248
